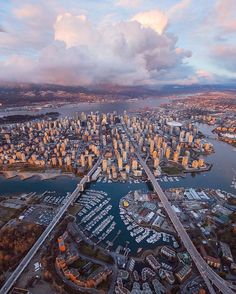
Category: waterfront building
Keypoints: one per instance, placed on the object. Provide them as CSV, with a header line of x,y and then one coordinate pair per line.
x,y
82,159
156,162
90,161
104,165
185,161
134,164
120,163
195,164
201,162
176,156
127,169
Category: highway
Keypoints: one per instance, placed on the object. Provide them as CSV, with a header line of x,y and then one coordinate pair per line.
x,y
25,261
209,276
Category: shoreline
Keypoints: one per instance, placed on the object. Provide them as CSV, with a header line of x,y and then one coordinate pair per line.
x,y
28,175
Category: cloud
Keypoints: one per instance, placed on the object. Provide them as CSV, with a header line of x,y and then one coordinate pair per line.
x,y
154,19
38,16
225,56
225,16
125,53
220,22
29,27
28,11
205,75
2,30
128,3
177,10
74,30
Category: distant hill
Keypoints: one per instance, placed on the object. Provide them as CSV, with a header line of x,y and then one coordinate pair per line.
x,y
12,94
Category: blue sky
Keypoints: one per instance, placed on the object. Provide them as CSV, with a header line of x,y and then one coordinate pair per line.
x,y
127,42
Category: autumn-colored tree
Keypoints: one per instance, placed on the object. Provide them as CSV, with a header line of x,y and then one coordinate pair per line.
x,y
15,241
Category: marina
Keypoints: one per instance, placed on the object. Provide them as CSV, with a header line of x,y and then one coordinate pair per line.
x,y
105,222
137,181
139,231
95,215
168,179
97,206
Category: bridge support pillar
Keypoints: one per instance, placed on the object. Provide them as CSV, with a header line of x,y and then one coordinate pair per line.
x,y
81,187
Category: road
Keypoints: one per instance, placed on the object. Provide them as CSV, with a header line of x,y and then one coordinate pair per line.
x,y
25,261
209,276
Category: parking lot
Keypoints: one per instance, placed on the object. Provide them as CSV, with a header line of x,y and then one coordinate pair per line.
x,y
39,215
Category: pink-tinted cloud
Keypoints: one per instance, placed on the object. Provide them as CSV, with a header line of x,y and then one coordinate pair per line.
x,y
226,15
220,21
177,10
203,74
30,27
154,19
126,53
225,56
75,30
128,3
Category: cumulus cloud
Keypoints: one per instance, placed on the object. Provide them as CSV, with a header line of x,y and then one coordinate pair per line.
x,y
133,52
154,19
74,30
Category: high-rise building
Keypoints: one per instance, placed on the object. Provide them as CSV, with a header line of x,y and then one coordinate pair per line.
x,y
127,169
127,145
195,164
190,139
176,156
181,136
168,152
164,146
185,161
82,160
201,162
124,156
156,162
68,160
151,146
54,161
134,164
154,154
206,146
115,144
104,165
90,161
120,163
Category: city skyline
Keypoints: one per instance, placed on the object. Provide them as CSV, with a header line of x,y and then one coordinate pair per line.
x,y
117,147
118,42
